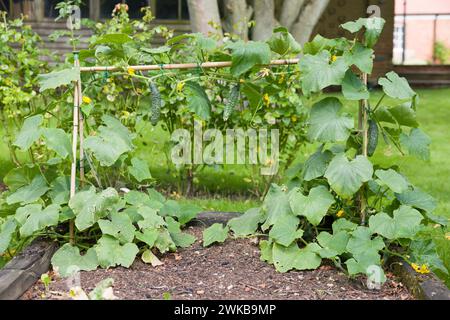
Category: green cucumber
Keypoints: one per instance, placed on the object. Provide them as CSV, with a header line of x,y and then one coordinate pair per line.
x,y
156,104
372,136
232,102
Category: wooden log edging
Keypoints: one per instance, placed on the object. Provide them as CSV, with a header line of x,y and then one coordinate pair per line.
x,y
25,269
422,287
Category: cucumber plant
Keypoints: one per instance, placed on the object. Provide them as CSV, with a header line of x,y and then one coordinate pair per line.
x,y
339,205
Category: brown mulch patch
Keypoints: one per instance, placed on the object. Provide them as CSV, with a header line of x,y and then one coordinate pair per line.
x,y
232,270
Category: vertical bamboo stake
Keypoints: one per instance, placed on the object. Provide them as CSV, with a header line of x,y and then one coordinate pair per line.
x,y
81,133
362,126
73,173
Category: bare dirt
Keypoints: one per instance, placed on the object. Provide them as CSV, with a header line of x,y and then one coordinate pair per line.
x,y
232,270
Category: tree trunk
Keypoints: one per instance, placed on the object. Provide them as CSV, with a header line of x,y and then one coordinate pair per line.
x,y
237,16
290,11
307,20
264,18
202,12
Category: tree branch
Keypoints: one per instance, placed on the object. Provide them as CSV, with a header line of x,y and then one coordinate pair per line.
x,y
290,12
307,20
265,19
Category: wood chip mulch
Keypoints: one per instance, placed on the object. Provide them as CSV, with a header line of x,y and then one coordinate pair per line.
x,y
232,270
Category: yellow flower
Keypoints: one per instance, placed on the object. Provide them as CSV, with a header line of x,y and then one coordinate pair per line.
x,y
333,58
340,213
264,73
87,100
180,86
241,80
282,78
266,99
131,71
420,269
294,118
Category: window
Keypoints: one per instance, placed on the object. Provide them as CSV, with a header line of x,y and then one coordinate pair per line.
x,y
170,9
134,8
4,5
50,10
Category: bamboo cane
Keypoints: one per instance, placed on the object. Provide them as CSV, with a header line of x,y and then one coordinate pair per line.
x,y
362,126
73,173
218,64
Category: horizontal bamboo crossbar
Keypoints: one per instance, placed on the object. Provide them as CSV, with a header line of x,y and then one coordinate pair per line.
x,y
218,64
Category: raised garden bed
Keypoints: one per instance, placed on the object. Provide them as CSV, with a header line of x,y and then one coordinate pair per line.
x,y
232,270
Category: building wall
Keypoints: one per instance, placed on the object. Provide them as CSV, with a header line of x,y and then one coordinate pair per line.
x,y
422,29
341,11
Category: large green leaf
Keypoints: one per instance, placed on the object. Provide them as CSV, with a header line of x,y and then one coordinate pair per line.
x,y
288,258
120,227
402,115
19,177
317,164
187,212
7,230
215,233
314,206
32,218
343,225
318,73
332,244
198,101
151,218
393,180
247,223
29,133
180,238
116,38
59,78
164,242
396,87
68,260
89,206
57,140
362,244
361,57
282,42
246,55
276,205
404,224
148,236
110,253
139,169
29,193
417,143
367,263
326,124
374,27
418,199
60,190
112,141
284,231
346,177
353,88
